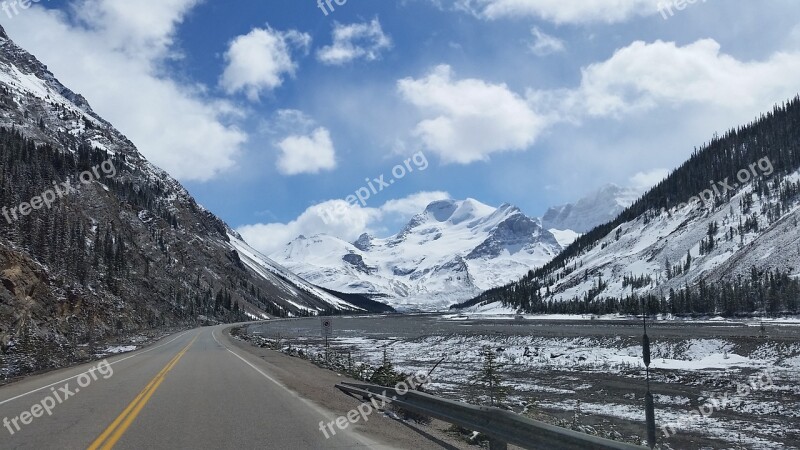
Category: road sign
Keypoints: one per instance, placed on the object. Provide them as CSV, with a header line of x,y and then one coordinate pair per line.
x,y
327,326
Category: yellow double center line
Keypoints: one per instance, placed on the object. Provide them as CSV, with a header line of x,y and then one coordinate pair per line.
x,y
114,432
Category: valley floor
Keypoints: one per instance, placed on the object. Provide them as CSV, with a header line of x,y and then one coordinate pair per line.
x,y
589,374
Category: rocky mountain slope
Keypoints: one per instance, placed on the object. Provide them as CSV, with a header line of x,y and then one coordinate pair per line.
x,y
96,242
450,252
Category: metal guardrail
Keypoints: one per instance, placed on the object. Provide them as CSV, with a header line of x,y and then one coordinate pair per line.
x,y
501,426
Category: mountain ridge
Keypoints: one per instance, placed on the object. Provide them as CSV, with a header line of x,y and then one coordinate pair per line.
x,y
451,250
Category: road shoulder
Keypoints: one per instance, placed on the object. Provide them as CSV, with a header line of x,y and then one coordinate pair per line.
x,y
317,385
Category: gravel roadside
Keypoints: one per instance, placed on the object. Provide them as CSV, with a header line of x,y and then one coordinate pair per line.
x,y
317,384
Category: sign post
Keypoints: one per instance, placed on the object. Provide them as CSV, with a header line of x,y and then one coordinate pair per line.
x,y
327,331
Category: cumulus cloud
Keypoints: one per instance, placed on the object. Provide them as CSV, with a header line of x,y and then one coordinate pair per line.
x,y
303,145
645,180
562,11
336,218
469,119
643,76
261,59
135,28
307,154
544,44
354,41
413,204
113,52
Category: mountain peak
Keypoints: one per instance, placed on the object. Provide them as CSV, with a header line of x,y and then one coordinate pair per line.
x,y
448,253
455,211
441,210
596,208
509,209
610,187
470,209
364,242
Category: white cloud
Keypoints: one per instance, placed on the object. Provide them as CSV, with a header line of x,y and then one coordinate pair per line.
x,y
648,104
336,218
358,40
697,87
544,44
112,52
139,28
269,238
307,154
645,180
261,59
303,145
642,76
562,11
413,204
469,119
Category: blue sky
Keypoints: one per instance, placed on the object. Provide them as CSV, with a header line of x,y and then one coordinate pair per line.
x,y
272,113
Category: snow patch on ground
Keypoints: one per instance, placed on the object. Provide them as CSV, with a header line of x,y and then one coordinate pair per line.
x,y
119,349
565,237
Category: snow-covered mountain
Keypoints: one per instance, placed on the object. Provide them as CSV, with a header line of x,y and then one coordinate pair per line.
x,y
597,208
731,250
655,246
48,113
450,252
279,275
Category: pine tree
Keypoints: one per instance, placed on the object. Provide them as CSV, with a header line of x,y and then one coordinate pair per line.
x,y
489,377
688,261
386,375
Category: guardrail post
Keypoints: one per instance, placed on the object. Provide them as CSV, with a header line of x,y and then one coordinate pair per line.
x,y
495,444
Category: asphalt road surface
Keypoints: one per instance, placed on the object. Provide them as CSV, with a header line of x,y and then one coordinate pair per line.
x,y
194,390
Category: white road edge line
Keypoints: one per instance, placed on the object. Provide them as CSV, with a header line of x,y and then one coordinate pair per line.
x,y
251,365
364,440
88,371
